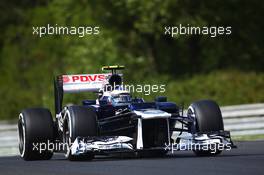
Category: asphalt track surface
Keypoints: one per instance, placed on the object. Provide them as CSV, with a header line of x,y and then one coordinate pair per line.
x,y
247,159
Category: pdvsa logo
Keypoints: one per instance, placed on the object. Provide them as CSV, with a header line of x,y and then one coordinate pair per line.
x,y
83,78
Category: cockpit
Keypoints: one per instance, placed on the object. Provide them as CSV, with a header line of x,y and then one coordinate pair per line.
x,y
121,99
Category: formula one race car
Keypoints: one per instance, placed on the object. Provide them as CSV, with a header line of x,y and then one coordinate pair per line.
x,y
116,123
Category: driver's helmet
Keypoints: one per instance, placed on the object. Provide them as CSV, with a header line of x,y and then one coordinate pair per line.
x,y
119,99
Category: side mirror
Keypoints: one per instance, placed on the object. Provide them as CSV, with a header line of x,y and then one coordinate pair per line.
x,y
88,102
161,99
103,102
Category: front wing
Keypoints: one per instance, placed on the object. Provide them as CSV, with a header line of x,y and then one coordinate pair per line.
x,y
112,144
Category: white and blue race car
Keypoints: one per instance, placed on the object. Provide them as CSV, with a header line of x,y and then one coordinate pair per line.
x,y
117,123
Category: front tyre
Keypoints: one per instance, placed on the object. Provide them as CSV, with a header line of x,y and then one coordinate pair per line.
x,y
208,118
35,128
79,121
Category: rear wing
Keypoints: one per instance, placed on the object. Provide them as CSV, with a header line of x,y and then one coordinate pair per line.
x,y
78,83
84,82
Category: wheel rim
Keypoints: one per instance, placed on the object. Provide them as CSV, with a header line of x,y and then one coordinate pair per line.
x,y
191,114
66,139
21,131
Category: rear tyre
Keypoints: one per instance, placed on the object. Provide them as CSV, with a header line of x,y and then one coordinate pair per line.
x,y
208,118
80,121
35,128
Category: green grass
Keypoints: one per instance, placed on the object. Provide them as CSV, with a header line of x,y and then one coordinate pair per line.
x,y
227,87
248,138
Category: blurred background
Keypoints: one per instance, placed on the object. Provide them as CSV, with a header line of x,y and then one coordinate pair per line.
x,y
228,69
